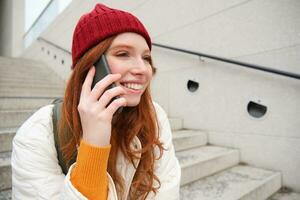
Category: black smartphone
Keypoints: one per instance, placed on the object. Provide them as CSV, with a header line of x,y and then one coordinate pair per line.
x,y
102,70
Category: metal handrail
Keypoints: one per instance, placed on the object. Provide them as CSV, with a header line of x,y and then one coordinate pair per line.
x,y
55,45
243,64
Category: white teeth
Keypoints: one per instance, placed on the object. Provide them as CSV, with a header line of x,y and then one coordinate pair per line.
x,y
133,86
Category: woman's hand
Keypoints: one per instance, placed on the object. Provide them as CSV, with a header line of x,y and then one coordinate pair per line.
x,y
94,115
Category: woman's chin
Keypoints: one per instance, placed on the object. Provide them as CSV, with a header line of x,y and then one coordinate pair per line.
x,y
132,102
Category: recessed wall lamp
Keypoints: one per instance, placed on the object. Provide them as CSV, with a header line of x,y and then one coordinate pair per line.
x,y
192,86
256,110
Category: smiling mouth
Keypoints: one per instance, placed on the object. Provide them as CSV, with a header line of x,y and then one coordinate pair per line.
x,y
133,86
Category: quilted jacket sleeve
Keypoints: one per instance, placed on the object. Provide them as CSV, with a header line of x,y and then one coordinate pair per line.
x,y
36,173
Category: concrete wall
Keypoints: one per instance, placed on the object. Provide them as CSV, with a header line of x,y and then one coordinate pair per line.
x,y
261,32
12,27
58,60
265,33
219,106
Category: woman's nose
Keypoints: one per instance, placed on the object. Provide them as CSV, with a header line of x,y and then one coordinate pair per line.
x,y
140,66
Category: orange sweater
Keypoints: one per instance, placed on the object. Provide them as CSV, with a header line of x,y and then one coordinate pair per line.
x,y
89,174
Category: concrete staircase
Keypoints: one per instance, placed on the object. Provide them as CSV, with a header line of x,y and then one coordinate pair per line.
x,y
208,172
215,173
25,86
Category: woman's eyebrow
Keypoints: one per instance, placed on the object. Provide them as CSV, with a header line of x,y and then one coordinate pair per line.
x,y
127,47
121,46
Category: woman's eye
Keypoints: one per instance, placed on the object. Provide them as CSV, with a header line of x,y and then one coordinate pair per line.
x,y
147,58
122,54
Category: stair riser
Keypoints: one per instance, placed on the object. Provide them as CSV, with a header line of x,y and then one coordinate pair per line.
x,y
176,124
29,76
208,167
189,142
13,119
29,83
30,95
25,63
23,103
6,141
29,92
5,177
5,195
30,71
266,190
31,87
23,66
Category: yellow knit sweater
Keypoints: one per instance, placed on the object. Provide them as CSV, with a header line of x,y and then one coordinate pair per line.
x,y
89,174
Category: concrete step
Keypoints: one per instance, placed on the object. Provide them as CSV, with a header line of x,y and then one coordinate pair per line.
x,y
9,61
30,92
5,195
10,119
6,137
30,82
15,103
5,171
285,195
176,123
27,76
19,66
29,87
236,183
28,72
11,88
187,139
204,161
195,163
24,70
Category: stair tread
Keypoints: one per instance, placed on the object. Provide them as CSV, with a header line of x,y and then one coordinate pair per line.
x,y
285,196
16,111
6,137
8,130
35,84
186,133
36,94
5,159
5,195
232,183
187,139
200,154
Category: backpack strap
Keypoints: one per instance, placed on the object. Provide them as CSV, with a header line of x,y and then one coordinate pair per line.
x,y
55,118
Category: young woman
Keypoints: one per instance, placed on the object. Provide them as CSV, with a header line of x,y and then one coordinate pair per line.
x,y
122,154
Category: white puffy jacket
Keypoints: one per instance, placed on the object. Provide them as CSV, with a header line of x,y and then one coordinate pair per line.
x,y
36,173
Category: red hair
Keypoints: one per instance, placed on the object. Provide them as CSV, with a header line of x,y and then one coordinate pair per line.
x,y
140,121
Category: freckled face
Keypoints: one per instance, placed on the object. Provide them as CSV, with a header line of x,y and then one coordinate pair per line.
x,y
129,55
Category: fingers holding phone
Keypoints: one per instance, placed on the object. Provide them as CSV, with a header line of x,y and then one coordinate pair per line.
x,y
104,84
111,96
97,106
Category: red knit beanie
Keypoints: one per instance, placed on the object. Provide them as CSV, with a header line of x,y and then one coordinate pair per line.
x,y
103,22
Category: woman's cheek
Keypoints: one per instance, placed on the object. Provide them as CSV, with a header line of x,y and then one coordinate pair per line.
x,y
115,68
